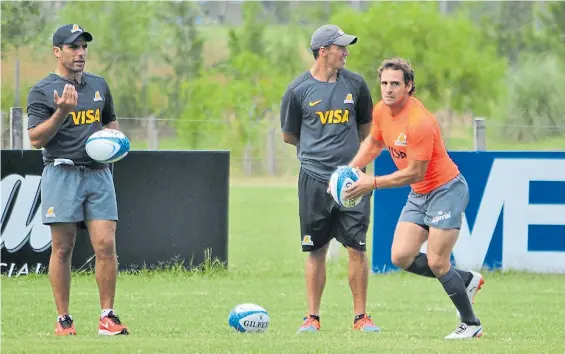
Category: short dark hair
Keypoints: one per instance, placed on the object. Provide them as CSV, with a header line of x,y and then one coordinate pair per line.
x,y
404,66
316,53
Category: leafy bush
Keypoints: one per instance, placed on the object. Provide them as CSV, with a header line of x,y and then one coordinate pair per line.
x,y
534,106
456,67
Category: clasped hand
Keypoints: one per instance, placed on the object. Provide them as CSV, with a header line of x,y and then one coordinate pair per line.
x,y
364,185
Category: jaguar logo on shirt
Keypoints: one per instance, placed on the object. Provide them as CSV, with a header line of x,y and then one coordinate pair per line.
x,y
97,96
333,116
401,140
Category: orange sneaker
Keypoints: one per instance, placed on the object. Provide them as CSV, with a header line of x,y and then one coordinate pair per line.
x,y
310,325
65,326
366,324
111,325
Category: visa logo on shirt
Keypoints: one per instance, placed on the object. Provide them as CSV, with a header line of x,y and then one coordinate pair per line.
x,y
334,116
86,117
401,155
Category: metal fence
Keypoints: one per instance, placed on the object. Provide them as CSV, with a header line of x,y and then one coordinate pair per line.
x,y
269,155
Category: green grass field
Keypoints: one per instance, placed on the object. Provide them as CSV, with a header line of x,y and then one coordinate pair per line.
x,y
181,312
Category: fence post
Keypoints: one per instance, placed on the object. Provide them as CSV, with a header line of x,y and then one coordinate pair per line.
x,y
271,152
247,160
152,134
16,128
25,136
479,134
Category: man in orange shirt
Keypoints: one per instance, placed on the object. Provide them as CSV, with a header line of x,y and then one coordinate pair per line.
x,y
439,192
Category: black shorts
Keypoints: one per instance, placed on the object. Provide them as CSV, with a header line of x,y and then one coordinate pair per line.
x,y
322,219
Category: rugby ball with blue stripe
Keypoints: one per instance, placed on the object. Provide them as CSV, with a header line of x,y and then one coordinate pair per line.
x,y
340,180
249,318
107,146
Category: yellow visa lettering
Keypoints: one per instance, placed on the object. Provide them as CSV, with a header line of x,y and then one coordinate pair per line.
x,y
329,116
86,117
92,116
337,116
340,116
75,117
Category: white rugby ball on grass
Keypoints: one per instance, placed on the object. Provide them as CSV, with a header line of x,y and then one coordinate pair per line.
x,y
249,318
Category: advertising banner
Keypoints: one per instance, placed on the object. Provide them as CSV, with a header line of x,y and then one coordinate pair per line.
x,y
172,205
515,218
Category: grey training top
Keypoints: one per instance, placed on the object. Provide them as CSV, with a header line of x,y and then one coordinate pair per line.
x,y
95,109
327,117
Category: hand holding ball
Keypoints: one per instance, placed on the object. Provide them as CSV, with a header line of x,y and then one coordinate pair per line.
x,y
340,180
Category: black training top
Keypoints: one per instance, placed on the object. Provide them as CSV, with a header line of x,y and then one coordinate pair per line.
x,y
95,109
327,117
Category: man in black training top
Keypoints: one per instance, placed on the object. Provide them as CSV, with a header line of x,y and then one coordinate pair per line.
x,y
64,109
326,113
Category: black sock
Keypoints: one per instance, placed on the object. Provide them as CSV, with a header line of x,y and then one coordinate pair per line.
x,y
420,267
317,318
466,276
358,317
455,288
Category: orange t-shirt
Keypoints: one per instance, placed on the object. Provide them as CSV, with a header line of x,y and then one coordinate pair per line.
x,y
414,133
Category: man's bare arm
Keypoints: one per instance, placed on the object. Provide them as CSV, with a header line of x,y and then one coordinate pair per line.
x,y
291,138
370,149
42,133
413,173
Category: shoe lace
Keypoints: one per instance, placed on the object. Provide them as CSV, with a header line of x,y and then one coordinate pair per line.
x,y
114,318
461,328
66,322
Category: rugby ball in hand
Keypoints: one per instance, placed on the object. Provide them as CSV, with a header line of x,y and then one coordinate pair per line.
x,y
249,318
340,180
107,146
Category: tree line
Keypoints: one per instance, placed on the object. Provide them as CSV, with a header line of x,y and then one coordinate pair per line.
x,y
222,84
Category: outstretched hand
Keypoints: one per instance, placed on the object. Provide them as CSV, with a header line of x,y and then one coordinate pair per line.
x,y
68,101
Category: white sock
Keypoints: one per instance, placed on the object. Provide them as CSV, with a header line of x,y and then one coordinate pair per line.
x,y
106,312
